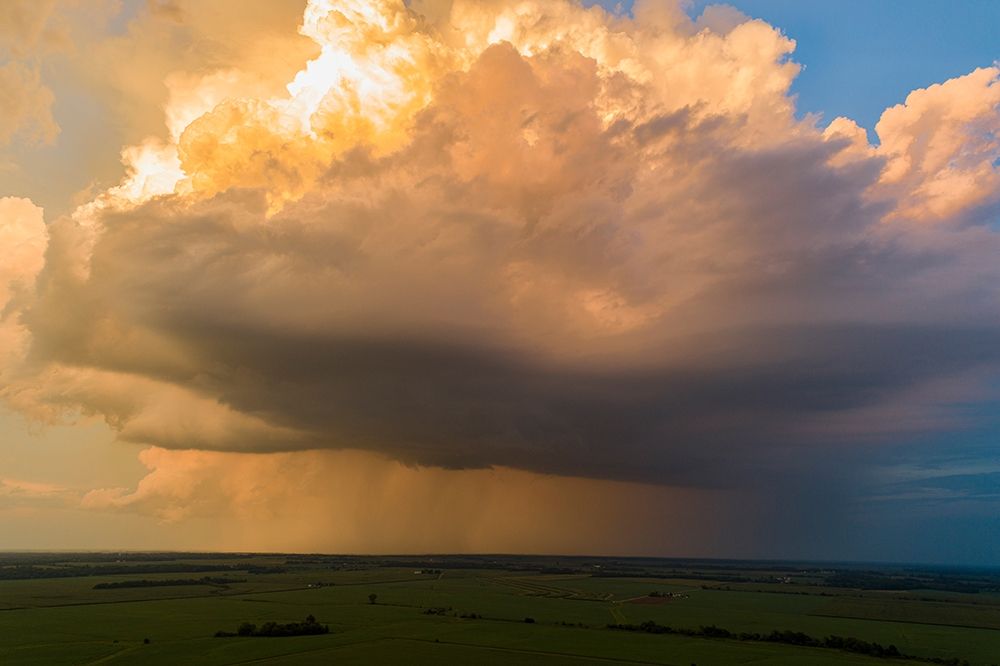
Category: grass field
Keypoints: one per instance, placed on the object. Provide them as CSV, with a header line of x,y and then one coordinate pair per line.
x,y
417,616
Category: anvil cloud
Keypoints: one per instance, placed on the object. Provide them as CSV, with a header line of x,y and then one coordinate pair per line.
x,y
526,235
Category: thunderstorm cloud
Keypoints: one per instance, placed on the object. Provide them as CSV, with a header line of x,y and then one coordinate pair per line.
x,y
529,235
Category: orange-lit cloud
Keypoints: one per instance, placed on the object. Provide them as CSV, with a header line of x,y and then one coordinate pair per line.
x,y
941,146
527,237
25,105
380,63
24,239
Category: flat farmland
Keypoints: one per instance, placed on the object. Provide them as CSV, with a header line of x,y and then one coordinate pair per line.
x,y
448,611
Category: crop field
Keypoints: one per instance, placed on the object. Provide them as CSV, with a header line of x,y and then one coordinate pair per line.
x,y
167,609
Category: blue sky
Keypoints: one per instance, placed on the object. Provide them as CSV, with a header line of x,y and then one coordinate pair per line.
x,y
861,56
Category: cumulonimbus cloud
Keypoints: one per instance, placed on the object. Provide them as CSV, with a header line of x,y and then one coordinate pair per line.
x,y
530,235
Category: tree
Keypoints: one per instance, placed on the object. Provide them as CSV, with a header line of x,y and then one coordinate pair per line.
x,y
372,597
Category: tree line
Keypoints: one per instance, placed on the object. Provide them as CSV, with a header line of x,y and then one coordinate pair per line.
x,y
171,582
847,644
308,627
30,571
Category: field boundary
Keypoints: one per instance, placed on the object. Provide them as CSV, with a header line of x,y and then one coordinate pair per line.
x,y
881,619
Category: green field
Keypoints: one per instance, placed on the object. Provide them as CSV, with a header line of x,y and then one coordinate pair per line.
x,y
417,615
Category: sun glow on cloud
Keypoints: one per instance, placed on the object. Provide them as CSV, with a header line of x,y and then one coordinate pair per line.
x,y
513,234
375,71
380,63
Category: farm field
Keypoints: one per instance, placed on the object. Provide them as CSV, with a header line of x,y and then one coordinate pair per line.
x,y
167,608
